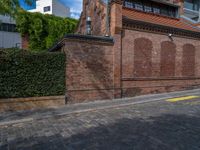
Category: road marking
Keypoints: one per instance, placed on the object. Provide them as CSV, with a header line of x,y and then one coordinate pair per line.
x,y
182,98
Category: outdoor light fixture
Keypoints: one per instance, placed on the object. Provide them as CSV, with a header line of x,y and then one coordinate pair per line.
x,y
170,35
88,26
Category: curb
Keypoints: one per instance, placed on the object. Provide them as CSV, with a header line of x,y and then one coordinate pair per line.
x,y
99,105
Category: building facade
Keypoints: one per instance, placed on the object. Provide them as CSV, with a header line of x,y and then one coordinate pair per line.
x,y
53,7
192,10
150,49
9,37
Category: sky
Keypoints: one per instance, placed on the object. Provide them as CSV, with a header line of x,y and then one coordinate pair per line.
x,y
75,6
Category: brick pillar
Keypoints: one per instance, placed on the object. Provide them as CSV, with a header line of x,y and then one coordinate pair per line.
x,y
116,32
25,41
181,4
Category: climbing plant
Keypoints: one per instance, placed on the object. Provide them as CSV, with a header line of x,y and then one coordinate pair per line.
x,y
43,30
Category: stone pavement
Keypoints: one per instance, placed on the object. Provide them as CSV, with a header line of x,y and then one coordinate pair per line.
x,y
143,123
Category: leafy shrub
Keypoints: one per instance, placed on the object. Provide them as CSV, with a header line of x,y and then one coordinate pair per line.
x,y
27,74
43,30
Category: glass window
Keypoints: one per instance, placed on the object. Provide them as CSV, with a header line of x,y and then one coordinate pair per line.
x,y
192,4
7,27
138,6
147,8
48,8
128,4
156,10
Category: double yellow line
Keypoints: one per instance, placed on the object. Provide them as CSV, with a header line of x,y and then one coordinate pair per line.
x,y
182,98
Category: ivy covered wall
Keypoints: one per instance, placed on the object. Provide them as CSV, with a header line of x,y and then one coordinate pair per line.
x,y
43,30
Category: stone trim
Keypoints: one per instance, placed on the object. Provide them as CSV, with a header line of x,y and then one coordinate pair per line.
x,y
150,27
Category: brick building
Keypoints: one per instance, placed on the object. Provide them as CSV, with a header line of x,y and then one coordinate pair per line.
x,y
150,49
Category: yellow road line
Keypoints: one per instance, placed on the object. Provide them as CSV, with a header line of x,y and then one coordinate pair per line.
x,y
182,98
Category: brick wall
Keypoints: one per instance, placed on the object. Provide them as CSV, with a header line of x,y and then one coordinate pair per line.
x,y
95,9
89,73
18,104
174,64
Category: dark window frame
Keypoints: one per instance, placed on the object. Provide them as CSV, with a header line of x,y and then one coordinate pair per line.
x,y
152,7
47,8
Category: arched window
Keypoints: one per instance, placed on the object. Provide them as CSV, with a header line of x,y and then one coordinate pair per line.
x,y
188,61
168,56
142,57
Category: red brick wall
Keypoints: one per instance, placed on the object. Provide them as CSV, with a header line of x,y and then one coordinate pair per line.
x,y
172,63
25,42
97,11
167,59
89,71
188,68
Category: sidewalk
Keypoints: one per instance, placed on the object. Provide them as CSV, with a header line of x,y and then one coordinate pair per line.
x,y
26,116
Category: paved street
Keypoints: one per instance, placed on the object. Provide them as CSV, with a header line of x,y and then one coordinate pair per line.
x,y
162,124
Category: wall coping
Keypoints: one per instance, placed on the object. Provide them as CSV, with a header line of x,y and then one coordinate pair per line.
x,y
82,38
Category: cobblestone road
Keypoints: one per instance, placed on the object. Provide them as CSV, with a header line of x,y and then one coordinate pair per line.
x,y
157,125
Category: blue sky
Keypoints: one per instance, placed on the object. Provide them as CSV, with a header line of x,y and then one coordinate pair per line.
x,y
75,6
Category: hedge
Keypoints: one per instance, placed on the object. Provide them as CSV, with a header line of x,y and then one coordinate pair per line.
x,y
26,74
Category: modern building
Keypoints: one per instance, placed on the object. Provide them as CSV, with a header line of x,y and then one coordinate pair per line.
x,y
136,47
192,10
9,37
53,7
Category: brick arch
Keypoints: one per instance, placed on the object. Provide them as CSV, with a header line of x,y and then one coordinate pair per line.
x,y
168,57
188,60
143,57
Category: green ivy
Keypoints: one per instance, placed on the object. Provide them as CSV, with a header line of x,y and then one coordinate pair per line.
x,y
28,74
43,30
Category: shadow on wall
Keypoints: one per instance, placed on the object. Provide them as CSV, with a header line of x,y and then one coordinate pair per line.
x,y
165,132
93,71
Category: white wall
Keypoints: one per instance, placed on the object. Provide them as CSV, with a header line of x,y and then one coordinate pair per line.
x,y
60,10
57,8
10,39
6,19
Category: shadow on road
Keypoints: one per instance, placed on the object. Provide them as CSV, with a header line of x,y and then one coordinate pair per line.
x,y
166,132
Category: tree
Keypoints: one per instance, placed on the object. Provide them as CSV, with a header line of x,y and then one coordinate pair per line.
x,y
11,7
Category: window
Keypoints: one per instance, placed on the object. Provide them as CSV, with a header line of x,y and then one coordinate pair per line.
x,y
48,8
8,27
128,4
192,4
156,10
149,6
138,6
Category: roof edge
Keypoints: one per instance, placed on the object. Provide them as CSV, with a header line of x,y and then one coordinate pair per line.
x,y
146,26
82,38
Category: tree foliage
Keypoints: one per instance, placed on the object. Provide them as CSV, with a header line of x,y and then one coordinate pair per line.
x,y
43,30
11,7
